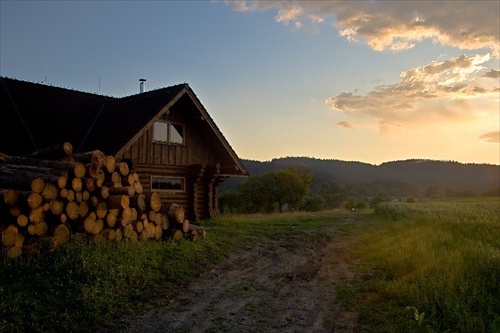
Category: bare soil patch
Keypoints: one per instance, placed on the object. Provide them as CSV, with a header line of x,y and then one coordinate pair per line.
x,y
287,285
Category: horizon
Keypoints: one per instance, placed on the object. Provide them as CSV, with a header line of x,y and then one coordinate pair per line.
x,y
365,81
385,162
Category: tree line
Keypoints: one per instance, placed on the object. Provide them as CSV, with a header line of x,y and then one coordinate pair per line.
x,y
280,190
297,188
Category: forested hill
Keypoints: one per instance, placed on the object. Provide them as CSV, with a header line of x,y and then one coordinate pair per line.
x,y
398,178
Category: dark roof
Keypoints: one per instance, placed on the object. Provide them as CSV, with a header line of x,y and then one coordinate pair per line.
x,y
122,118
34,116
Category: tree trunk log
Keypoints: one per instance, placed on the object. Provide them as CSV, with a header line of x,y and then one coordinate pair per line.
x,y
184,226
118,201
102,209
139,202
193,235
123,168
56,207
62,235
110,163
79,170
9,235
22,220
83,208
125,190
95,157
76,184
175,213
37,215
50,192
112,216
52,153
72,210
9,196
37,185
34,200
154,201
174,234
202,232
57,166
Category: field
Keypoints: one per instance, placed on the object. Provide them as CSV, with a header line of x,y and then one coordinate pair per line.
x,y
421,267
430,267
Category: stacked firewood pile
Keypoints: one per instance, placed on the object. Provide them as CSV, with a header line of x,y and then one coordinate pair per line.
x,y
46,201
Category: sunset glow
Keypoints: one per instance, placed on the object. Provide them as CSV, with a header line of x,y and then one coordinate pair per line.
x,y
370,81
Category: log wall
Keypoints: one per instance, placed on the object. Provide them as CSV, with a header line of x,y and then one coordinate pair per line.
x,y
195,161
194,151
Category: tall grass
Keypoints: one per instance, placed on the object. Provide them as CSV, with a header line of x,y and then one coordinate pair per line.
x,y
82,287
91,287
432,267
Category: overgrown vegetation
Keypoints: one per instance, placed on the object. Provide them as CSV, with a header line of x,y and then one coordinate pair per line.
x,y
430,267
279,190
89,287
81,287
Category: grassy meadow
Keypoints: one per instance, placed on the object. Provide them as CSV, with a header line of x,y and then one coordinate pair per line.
x,y
422,267
429,267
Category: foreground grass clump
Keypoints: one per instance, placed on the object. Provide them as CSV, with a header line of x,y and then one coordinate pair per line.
x,y
81,286
431,267
85,287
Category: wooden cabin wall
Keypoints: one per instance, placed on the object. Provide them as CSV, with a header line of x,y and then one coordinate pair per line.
x,y
187,161
194,151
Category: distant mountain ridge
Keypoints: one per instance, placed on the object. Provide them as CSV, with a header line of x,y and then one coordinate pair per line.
x,y
406,177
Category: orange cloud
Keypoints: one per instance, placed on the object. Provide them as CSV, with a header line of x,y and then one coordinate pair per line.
x,y
395,25
438,90
494,74
345,124
491,137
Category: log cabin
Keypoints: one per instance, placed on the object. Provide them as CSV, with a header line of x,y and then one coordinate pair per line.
x,y
166,135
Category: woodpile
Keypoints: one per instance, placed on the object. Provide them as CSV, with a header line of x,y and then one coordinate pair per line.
x,y
48,201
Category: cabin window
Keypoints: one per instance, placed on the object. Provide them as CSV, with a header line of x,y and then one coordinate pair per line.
x,y
160,132
161,183
170,133
176,134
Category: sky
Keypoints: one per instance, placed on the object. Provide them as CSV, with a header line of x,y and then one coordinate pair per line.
x,y
370,81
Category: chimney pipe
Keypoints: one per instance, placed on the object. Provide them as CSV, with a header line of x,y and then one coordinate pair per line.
x,y
142,85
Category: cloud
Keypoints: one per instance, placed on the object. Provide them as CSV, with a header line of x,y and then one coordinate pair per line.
x,y
385,127
395,25
491,137
494,74
443,89
345,124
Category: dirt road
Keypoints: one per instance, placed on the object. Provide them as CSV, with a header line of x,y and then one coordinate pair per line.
x,y
287,285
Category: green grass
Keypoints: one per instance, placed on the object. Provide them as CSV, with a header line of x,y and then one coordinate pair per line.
x,y
430,267
90,287
424,267
82,287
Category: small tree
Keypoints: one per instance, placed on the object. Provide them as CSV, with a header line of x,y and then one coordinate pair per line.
x,y
269,192
333,194
353,203
314,203
290,186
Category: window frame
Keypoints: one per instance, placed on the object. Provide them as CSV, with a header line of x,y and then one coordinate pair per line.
x,y
169,125
175,178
